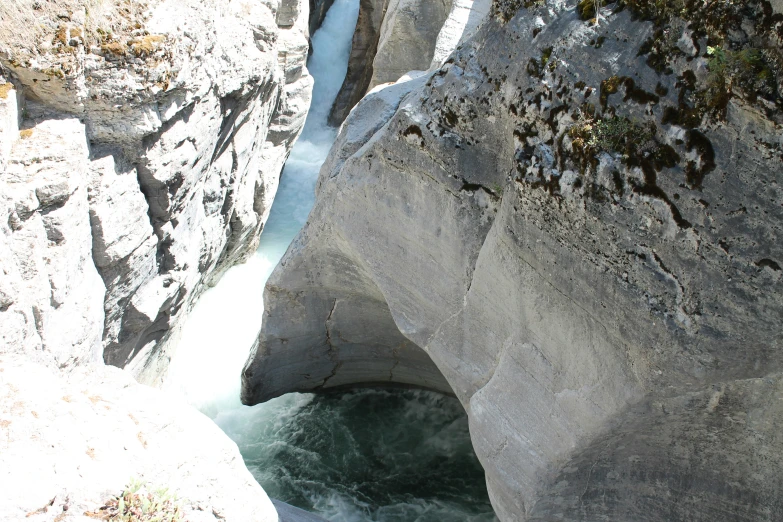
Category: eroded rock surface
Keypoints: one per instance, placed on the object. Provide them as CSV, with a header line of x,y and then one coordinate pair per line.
x,y
189,111
72,444
363,48
51,296
582,232
407,40
397,37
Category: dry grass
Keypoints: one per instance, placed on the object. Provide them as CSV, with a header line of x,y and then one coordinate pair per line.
x,y
33,27
4,90
140,503
146,45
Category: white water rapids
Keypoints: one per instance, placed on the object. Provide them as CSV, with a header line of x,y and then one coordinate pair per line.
x,y
365,455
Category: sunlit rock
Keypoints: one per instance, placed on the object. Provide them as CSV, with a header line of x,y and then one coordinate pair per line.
x,y
190,110
580,230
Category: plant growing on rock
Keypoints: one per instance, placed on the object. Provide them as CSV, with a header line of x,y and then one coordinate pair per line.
x,y
505,10
746,69
139,503
590,9
611,135
30,28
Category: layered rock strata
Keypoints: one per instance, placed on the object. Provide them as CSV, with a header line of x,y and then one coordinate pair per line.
x,y
173,136
140,150
580,228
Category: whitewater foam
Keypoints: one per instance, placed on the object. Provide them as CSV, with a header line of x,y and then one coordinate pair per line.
x,y
221,328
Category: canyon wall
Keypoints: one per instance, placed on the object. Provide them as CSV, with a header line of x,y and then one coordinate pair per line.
x,y
577,218
141,146
407,38
394,37
141,154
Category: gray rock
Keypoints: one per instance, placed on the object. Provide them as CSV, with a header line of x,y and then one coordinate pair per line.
x,y
51,293
395,37
187,140
72,444
363,49
408,36
464,19
610,317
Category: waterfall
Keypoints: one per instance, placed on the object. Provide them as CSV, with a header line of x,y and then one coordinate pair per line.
x,y
221,328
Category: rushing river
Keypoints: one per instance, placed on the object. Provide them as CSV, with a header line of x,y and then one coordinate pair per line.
x,y
366,455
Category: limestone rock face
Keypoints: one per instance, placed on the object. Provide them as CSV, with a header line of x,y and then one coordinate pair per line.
x,y
187,124
51,296
397,37
408,35
71,444
464,19
587,252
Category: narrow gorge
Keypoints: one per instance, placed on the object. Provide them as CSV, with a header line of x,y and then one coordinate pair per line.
x,y
391,260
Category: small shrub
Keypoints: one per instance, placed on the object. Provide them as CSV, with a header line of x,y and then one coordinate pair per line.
x,y
588,9
29,28
115,48
611,135
146,45
505,10
55,72
746,69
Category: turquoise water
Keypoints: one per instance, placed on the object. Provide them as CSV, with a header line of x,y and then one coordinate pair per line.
x,y
380,455
365,455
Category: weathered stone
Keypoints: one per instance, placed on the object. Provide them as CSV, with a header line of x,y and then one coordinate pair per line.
x,y
188,136
111,228
53,296
408,36
72,444
464,19
396,37
363,49
587,306
9,120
